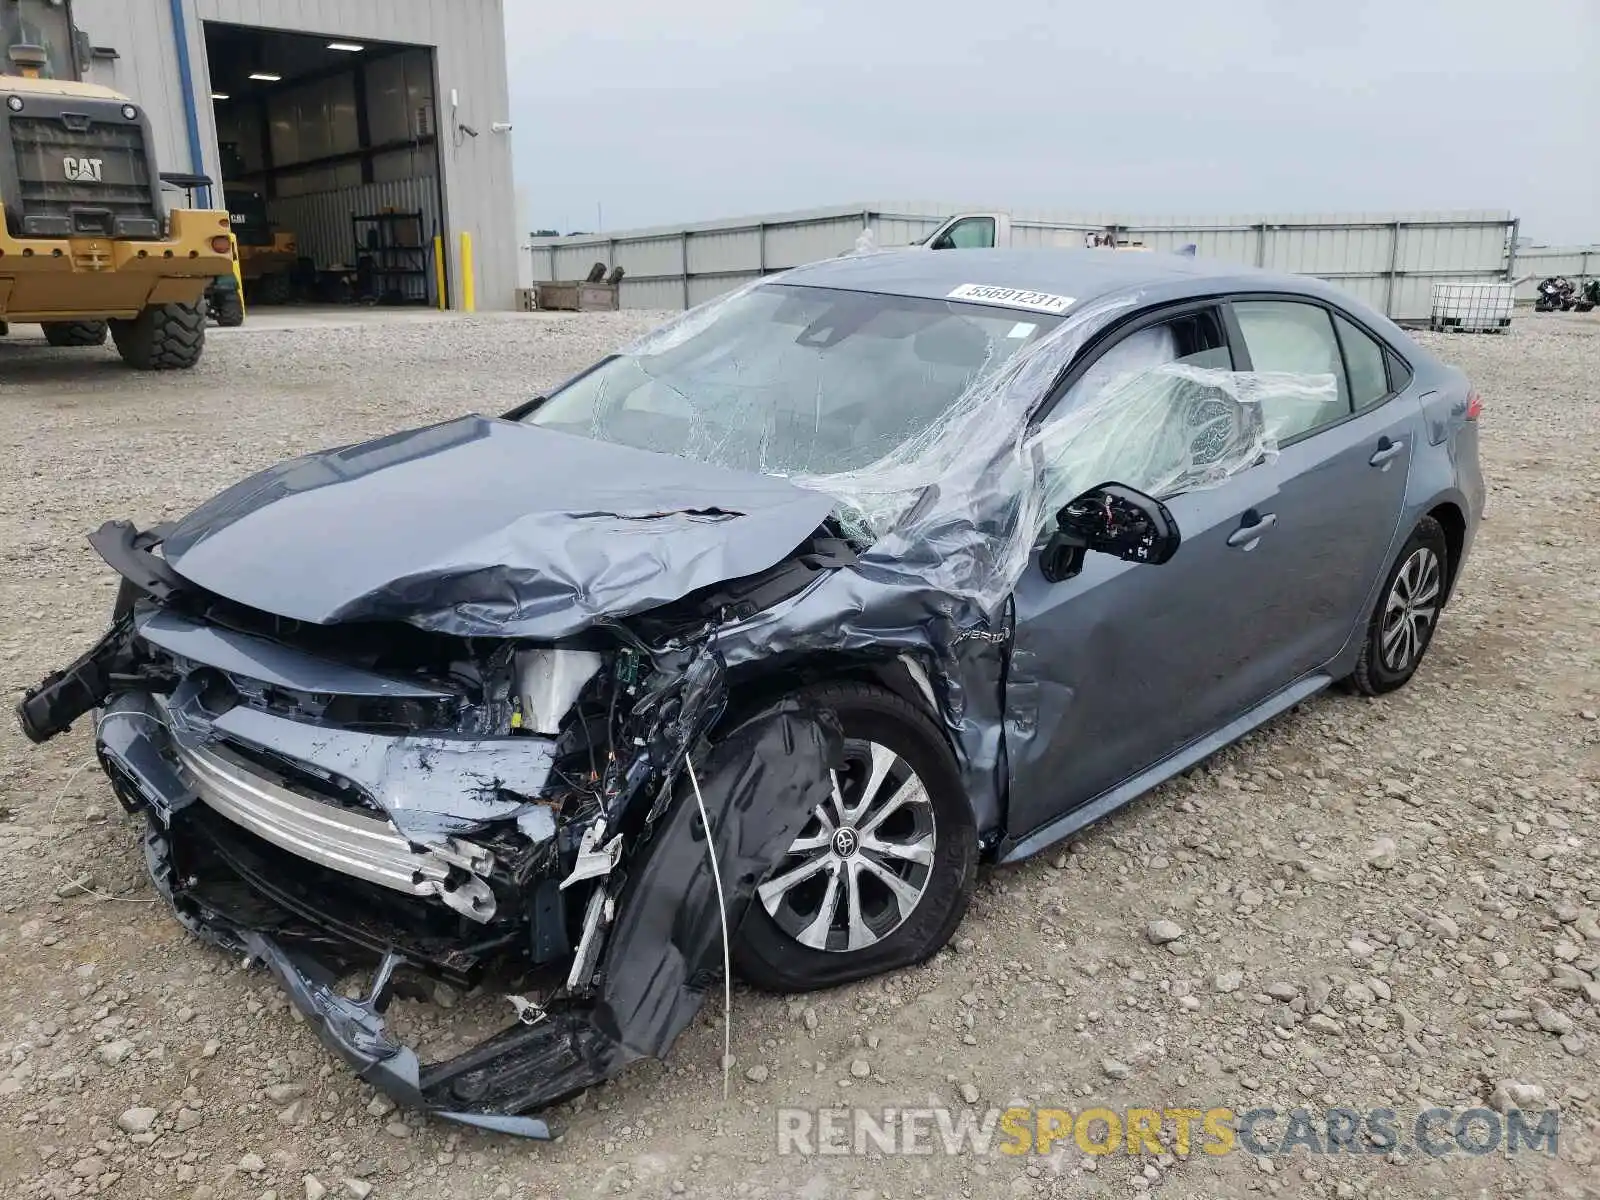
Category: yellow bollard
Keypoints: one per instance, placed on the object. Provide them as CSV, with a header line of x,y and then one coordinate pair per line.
x,y
438,272
469,294
238,279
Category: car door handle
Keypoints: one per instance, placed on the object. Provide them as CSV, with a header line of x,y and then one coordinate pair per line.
x,y
1386,450
1246,536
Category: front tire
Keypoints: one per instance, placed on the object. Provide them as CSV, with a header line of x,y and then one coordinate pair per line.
x,y
1402,625
879,878
164,337
228,309
75,333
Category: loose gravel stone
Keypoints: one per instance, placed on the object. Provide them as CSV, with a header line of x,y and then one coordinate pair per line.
x,y
136,1120
1159,933
1384,854
1511,1093
1227,981
1551,1020
114,1053
1444,926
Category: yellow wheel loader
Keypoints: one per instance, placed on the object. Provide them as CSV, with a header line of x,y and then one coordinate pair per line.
x,y
267,256
87,245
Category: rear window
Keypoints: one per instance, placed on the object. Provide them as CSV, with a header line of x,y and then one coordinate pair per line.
x,y
1363,358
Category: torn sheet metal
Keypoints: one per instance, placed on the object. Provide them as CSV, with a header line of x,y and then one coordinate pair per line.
x,y
268,662
486,528
760,782
429,785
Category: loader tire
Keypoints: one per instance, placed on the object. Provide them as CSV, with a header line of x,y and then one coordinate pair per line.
x,y
75,333
277,288
164,337
228,309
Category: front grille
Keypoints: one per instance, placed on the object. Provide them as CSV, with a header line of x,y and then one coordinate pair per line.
x,y
346,840
79,176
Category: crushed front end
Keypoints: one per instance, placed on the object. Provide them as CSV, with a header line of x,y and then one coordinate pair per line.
x,y
376,798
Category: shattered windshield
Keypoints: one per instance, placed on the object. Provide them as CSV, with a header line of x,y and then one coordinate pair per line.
x,y
791,380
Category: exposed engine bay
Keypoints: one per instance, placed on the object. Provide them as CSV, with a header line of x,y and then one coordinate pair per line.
x,y
325,799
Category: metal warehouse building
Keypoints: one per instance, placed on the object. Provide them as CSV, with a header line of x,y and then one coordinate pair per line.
x,y
332,111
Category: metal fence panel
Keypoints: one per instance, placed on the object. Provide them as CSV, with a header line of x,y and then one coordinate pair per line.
x,y
1389,260
659,294
792,244
1577,263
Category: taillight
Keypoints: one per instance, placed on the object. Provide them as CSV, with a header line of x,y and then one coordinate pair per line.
x,y
221,244
1474,405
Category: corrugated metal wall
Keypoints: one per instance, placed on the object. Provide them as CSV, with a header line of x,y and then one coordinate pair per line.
x,y
321,220
1389,260
1540,262
468,37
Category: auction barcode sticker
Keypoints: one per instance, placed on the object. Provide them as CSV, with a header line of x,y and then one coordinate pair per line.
x,y
983,293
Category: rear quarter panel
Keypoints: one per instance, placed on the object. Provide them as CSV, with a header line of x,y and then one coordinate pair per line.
x,y
1446,470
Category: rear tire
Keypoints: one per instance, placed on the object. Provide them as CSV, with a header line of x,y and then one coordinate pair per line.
x,y
75,333
164,337
1402,624
277,288
767,951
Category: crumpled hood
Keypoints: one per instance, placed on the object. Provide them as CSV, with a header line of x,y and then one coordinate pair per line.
x,y
487,528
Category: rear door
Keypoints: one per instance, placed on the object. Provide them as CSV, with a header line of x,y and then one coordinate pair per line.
x,y
1342,467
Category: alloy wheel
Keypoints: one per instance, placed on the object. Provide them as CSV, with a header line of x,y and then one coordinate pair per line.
x,y
1410,609
862,862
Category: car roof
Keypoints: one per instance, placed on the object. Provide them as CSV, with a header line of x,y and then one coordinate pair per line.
x,y
1081,274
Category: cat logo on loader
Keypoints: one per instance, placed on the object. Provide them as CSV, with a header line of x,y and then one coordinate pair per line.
x,y
82,170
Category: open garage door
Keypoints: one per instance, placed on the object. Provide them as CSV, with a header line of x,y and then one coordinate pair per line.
x,y
330,164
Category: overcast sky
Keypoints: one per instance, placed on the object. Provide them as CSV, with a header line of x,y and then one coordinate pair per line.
x,y
676,110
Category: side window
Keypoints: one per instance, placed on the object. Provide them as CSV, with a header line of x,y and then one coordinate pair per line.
x,y
1284,335
1127,420
1363,358
971,233
1399,374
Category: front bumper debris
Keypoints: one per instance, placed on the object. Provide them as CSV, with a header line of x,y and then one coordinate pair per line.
x,y
317,849
662,953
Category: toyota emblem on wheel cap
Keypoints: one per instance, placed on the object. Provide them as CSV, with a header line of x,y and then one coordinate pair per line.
x,y
845,842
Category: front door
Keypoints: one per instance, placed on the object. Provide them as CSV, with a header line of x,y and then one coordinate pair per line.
x,y
1115,669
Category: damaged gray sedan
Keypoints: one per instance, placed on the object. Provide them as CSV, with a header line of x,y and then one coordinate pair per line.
x,y
875,570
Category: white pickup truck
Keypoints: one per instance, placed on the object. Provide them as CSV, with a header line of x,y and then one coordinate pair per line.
x,y
986,230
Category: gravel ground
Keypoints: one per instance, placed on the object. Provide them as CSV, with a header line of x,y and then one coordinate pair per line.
x,y
1371,904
